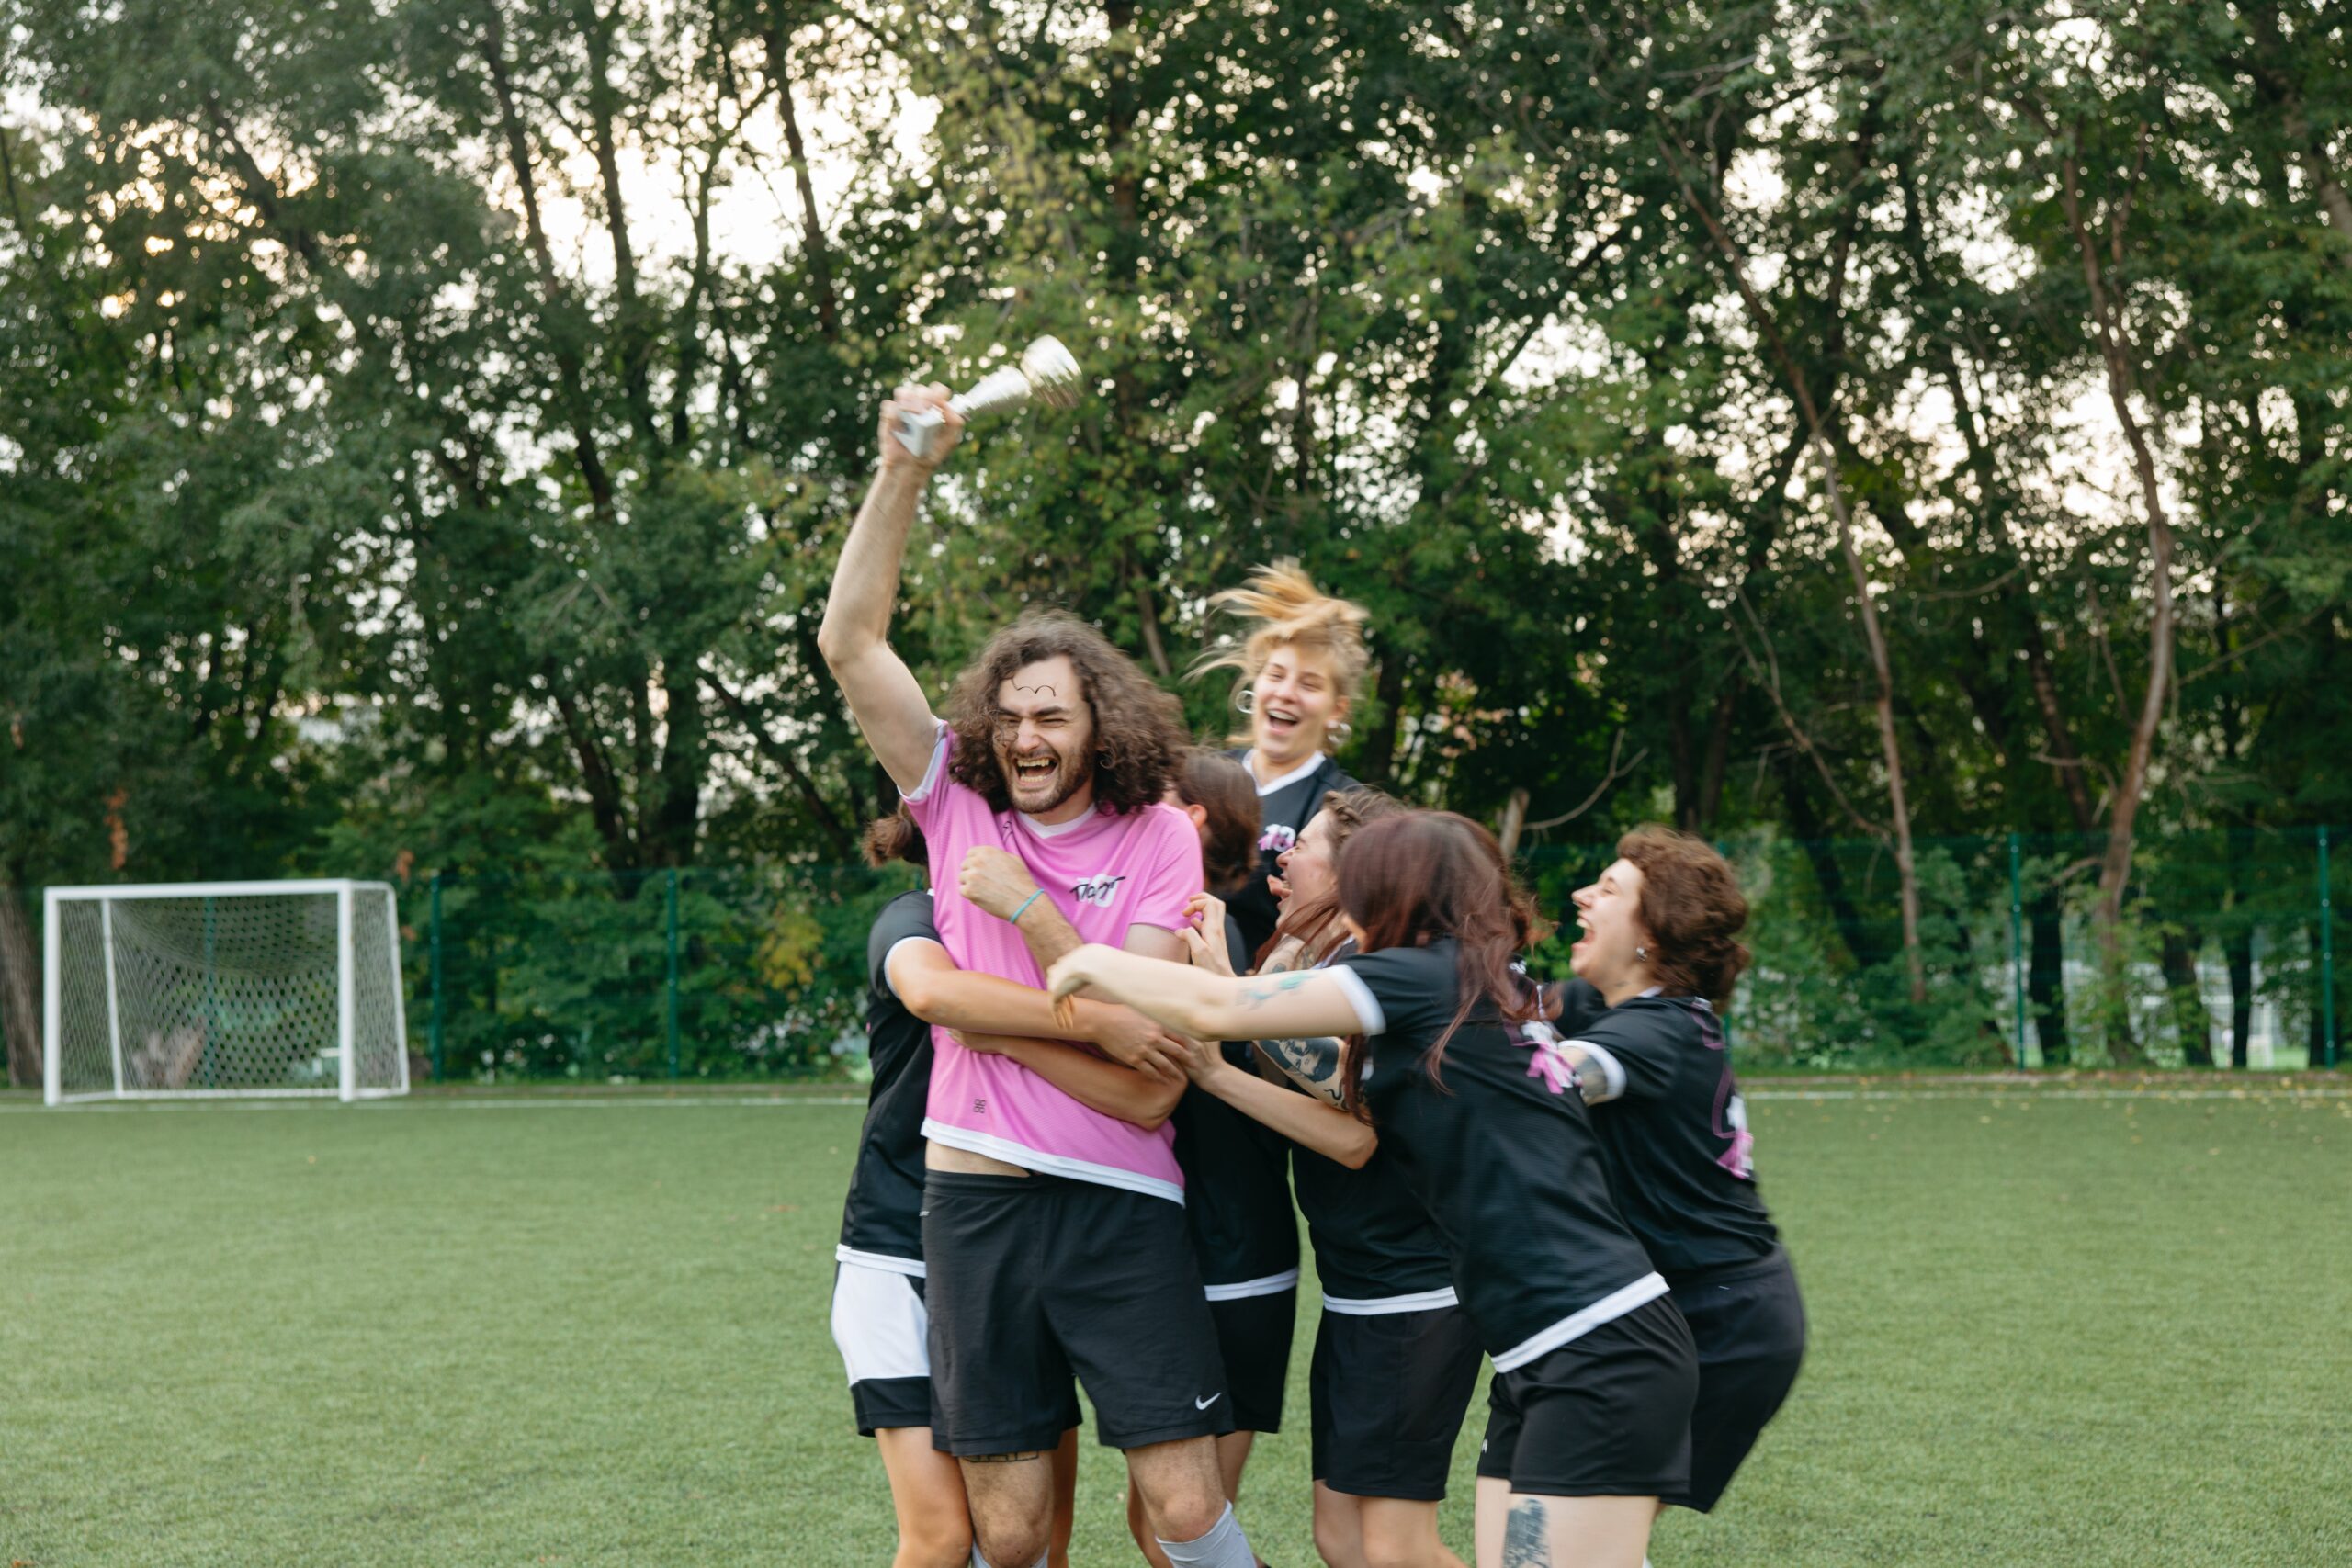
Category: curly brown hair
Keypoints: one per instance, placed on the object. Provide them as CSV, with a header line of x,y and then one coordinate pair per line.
x,y
1138,729
1693,910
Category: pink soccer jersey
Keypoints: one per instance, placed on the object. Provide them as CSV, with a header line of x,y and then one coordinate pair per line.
x,y
1105,873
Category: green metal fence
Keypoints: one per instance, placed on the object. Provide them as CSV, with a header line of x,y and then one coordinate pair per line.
x,y
2226,956
701,972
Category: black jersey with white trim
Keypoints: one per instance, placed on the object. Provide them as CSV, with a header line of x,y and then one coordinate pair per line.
x,y
881,1221
1374,1244
1237,1180
1502,1154
1283,812
1674,1133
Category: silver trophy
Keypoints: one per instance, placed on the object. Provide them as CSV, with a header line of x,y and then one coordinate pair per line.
x,y
1046,373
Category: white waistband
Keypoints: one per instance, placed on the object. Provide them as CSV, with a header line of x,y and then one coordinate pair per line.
x,y
1272,1285
910,1267
1381,1306
1043,1164
1608,1309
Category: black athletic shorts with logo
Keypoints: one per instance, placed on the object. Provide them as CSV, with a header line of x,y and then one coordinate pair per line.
x,y
1606,1415
1388,1393
1035,1278
1747,1322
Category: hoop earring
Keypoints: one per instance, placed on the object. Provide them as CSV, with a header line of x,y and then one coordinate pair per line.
x,y
1640,953
1245,701
1341,730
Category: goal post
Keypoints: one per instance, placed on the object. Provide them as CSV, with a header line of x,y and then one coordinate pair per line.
x,y
171,990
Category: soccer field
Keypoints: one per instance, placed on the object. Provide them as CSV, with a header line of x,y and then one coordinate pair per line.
x,y
2047,1330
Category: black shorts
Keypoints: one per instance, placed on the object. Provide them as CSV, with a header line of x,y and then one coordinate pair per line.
x,y
1748,1324
1606,1415
1388,1393
1254,1340
1035,1278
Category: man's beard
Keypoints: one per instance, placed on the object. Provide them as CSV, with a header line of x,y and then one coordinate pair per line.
x,y
1069,779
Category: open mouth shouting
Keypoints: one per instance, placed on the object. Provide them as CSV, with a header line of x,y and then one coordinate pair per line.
x,y
1280,721
1035,774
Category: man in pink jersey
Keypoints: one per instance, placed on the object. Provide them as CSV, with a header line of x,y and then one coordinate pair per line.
x,y
1054,1232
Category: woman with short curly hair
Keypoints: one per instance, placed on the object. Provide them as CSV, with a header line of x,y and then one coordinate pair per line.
x,y
1661,945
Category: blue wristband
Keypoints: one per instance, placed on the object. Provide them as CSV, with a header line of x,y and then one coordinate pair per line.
x,y
1025,905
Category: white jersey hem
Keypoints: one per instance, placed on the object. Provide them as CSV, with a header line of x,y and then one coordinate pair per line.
x,y
1027,1158
1576,1325
1270,1285
910,1267
1384,1306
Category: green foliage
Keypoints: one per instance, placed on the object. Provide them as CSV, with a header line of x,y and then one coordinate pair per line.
x,y
426,430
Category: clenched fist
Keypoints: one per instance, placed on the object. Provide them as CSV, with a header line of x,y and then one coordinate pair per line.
x,y
995,880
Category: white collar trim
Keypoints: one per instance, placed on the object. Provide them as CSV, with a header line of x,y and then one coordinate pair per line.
x,y
1304,771
1053,829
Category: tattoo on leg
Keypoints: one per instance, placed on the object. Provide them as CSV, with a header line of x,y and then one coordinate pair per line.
x,y
1003,1459
1526,1543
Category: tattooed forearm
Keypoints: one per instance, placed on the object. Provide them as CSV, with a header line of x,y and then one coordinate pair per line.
x,y
1264,991
1526,1542
1312,1063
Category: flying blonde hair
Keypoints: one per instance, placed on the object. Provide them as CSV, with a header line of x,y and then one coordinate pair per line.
x,y
1285,609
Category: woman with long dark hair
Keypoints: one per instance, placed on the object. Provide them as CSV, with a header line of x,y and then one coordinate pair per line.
x,y
1661,946
1595,1372
1396,1357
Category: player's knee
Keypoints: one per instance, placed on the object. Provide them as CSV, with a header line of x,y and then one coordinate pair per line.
x,y
1334,1542
941,1540
1395,1549
1188,1513
1018,1546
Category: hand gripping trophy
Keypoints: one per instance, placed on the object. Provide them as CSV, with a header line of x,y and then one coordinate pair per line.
x,y
1046,373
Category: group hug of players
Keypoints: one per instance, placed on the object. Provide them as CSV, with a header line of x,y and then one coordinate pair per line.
x,y
1150,991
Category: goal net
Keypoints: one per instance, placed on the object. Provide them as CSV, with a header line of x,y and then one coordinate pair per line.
x,y
223,989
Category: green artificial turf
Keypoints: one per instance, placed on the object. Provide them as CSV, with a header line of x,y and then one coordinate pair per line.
x,y
2047,1330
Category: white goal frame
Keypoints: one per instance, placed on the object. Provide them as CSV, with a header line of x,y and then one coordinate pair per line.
x,y
347,1088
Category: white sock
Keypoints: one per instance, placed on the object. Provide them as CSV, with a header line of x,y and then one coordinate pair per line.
x,y
1224,1547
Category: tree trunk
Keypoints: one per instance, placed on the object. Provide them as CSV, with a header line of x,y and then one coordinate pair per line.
x,y
2194,1024
815,246
2115,867
1514,820
20,1017
2045,980
1873,635
2238,947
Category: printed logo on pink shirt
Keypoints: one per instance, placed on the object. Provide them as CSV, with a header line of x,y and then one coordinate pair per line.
x,y
1097,889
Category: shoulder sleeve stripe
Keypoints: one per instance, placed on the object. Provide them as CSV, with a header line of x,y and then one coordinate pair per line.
x,y
1612,1073
922,792
1369,1011
892,957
